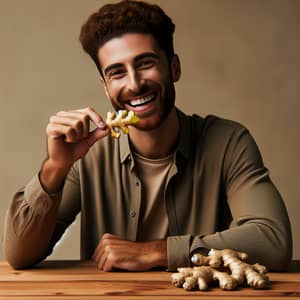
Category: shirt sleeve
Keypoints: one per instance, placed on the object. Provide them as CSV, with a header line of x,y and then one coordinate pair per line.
x,y
35,221
178,251
260,224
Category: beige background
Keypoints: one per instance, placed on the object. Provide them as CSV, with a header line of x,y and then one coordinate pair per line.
x,y
240,60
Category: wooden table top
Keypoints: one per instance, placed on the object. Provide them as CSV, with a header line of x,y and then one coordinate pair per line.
x,y
63,280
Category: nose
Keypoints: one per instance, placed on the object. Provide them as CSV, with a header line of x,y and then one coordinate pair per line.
x,y
135,82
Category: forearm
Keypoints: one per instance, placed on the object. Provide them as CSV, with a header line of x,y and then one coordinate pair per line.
x,y
30,223
262,241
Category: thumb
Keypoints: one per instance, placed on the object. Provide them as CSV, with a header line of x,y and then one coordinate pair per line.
x,y
96,135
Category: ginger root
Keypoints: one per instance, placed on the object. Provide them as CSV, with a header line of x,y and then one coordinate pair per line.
x,y
225,266
202,276
120,121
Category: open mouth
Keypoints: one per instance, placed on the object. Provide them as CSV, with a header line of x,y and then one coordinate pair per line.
x,y
142,101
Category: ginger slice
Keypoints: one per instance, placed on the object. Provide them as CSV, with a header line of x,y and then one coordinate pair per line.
x,y
120,120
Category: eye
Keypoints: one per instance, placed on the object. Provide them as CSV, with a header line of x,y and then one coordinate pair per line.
x,y
145,64
116,74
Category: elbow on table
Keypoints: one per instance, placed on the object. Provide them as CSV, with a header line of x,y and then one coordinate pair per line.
x,y
18,263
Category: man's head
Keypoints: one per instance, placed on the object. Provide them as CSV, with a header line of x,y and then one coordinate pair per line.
x,y
128,16
132,45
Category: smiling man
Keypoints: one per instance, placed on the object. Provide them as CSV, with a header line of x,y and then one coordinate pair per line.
x,y
176,185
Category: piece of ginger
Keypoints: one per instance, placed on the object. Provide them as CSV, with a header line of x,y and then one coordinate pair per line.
x,y
120,120
201,277
225,266
254,275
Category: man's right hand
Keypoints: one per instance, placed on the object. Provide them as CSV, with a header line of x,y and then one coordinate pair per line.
x,y
69,139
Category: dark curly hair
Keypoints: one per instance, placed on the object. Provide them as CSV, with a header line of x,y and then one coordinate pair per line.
x,y
113,20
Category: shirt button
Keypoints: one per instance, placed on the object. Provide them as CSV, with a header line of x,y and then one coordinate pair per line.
x,y
132,213
137,183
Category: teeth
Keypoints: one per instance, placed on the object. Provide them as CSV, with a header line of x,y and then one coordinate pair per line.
x,y
141,100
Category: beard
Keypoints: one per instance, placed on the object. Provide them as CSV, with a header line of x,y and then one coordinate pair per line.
x,y
150,120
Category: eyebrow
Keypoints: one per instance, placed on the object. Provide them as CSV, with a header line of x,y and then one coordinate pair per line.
x,y
137,58
146,55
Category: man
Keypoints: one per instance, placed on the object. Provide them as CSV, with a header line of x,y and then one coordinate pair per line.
x,y
175,185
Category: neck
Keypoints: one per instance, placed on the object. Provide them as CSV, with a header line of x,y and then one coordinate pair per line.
x,y
159,142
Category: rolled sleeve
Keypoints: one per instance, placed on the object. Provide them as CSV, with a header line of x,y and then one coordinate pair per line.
x,y
178,251
38,199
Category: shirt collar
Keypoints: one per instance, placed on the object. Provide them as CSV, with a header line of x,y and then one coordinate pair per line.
x,y
184,143
185,139
125,152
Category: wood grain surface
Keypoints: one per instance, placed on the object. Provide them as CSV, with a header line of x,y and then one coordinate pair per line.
x,y
82,280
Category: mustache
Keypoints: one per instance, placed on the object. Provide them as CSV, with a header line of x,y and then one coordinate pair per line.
x,y
140,91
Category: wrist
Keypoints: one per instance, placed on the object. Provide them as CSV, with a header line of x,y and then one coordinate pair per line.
x,y
52,176
159,253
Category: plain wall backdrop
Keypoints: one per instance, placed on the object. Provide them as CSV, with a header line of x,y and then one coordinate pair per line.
x,y
240,60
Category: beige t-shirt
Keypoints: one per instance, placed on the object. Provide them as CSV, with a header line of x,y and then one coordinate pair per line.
x,y
153,173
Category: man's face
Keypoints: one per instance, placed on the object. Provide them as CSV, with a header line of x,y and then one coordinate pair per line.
x,y
138,77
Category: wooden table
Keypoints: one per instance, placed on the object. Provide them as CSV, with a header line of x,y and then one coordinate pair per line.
x,y
62,280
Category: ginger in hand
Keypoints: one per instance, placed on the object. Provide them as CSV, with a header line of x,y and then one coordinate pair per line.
x,y
120,121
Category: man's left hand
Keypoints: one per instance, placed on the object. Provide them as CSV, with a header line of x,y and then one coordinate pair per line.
x,y
114,252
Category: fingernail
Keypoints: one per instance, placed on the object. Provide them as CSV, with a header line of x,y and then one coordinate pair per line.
x,y
101,125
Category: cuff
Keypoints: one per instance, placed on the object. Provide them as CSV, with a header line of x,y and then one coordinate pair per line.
x,y
199,246
178,250
38,198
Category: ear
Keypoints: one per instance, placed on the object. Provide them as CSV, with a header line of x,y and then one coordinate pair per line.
x,y
105,87
175,68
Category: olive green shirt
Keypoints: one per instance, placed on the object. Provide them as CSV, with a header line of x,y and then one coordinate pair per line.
x,y
218,194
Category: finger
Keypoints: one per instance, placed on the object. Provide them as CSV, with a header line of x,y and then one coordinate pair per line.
x,y
57,131
96,135
95,255
102,259
70,113
95,117
53,131
118,258
98,253
108,263
86,115
109,259
70,135
70,121
100,248
111,236
85,119
107,239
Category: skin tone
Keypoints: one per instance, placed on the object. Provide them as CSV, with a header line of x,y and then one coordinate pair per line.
x,y
138,78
